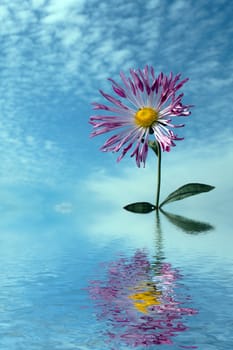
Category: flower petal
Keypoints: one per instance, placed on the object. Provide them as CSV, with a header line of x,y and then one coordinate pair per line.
x,y
142,89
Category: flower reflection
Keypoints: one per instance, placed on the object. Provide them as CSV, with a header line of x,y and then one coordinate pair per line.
x,y
141,301
146,298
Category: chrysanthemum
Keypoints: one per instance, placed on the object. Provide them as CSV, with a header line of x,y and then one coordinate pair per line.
x,y
145,108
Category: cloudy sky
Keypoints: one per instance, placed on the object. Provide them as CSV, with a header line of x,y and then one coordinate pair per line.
x,y
56,54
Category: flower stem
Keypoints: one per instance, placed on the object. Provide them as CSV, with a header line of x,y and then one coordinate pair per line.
x,y
158,176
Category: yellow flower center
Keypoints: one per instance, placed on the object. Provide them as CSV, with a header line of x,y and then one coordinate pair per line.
x,y
146,117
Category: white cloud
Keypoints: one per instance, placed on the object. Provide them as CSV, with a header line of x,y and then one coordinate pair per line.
x,y
51,47
36,4
4,12
49,145
60,11
64,208
60,5
109,38
175,9
27,158
153,4
30,140
70,38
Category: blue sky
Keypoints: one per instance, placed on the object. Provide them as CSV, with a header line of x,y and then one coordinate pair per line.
x,y
56,54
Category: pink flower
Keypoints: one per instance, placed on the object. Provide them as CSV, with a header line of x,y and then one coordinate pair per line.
x,y
146,105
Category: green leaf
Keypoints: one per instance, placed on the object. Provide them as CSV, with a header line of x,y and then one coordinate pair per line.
x,y
188,225
187,191
140,207
153,145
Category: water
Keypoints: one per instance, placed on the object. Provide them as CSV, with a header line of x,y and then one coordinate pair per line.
x,y
155,287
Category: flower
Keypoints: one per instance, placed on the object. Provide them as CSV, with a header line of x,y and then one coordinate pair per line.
x,y
145,108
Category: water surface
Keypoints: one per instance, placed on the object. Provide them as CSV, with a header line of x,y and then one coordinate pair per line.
x,y
155,287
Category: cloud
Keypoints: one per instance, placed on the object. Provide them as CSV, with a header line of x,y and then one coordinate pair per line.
x,y
109,38
56,54
108,42
27,158
64,208
59,11
60,33
37,4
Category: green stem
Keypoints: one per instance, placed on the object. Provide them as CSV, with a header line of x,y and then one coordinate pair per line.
x,y
159,176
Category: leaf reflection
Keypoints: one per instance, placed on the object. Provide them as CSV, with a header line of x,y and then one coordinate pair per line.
x,y
142,299
185,224
188,225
